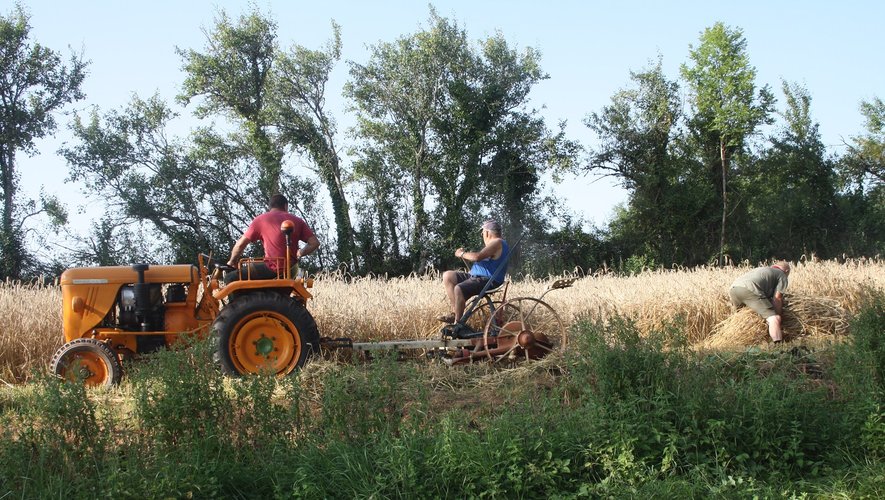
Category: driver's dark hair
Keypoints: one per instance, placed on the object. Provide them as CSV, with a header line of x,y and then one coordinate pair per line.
x,y
278,201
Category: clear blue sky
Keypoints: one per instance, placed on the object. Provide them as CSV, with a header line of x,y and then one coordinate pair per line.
x,y
834,49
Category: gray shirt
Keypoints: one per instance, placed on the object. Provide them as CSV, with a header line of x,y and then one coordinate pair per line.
x,y
764,281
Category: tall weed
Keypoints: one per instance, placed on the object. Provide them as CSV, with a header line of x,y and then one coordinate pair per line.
x,y
361,402
860,371
53,441
178,396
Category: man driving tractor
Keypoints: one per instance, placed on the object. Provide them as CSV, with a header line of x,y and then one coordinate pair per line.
x,y
266,228
490,263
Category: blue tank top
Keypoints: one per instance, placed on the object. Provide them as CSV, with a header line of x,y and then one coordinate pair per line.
x,y
490,267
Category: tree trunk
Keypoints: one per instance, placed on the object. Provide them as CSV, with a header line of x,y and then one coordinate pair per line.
x,y
341,211
269,160
724,159
11,257
417,252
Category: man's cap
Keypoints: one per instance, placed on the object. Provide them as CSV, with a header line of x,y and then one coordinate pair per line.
x,y
492,225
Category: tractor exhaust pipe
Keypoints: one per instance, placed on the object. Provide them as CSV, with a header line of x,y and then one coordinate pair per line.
x,y
141,290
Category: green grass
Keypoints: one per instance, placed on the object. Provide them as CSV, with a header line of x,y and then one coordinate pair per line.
x,y
621,415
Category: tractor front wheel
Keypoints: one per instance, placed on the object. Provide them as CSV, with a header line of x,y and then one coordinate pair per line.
x,y
264,333
89,361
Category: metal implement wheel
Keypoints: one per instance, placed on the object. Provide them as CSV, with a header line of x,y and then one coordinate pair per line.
x,y
523,328
88,360
264,333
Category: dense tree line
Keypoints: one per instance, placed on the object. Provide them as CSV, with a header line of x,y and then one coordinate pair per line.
x,y
707,183
716,168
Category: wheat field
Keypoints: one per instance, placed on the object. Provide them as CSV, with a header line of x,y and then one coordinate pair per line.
x,y
822,297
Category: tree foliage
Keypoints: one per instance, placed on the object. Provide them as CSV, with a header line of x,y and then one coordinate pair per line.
x,y
198,195
790,190
127,159
865,161
783,196
447,138
641,143
727,108
36,84
233,75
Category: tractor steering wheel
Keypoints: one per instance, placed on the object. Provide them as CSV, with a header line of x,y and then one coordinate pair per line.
x,y
224,267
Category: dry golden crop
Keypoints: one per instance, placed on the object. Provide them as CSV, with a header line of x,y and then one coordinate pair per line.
x,y
821,299
30,328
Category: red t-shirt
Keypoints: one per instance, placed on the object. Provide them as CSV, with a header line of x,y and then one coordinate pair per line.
x,y
266,227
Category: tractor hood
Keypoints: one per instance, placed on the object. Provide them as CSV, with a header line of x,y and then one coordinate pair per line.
x,y
183,273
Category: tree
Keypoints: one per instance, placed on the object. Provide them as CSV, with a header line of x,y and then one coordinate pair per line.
x,y
233,75
397,96
724,98
791,190
449,122
384,216
198,196
862,169
299,104
865,161
277,99
491,148
640,143
35,85
126,158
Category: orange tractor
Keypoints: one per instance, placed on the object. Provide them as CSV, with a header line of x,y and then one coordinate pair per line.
x,y
111,314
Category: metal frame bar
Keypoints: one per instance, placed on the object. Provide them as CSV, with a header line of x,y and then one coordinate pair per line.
x,y
410,344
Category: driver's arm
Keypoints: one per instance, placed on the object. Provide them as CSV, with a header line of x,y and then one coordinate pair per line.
x,y
312,244
237,250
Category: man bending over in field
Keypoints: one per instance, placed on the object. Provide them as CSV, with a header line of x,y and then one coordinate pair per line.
x,y
487,264
762,290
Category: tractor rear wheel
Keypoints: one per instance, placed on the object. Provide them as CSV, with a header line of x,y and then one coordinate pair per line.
x,y
264,333
88,360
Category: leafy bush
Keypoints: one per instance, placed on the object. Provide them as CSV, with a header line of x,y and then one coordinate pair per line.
x,y
178,397
860,375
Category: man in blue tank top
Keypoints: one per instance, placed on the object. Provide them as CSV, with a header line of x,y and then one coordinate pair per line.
x,y
490,263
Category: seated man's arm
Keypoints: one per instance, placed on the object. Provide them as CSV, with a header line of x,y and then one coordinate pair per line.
x,y
312,244
237,250
488,252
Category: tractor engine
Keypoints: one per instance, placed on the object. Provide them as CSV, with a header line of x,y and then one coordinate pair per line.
x,y
150,317
140,308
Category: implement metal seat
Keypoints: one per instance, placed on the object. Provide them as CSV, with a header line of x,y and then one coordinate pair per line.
x,y
500,288
473,302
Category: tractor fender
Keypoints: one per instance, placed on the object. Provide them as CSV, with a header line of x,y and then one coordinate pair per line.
x,y
296,285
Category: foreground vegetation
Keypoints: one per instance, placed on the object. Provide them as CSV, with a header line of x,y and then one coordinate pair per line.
x,y
621,413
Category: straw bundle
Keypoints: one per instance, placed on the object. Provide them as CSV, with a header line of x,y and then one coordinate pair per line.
x,y
803,316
